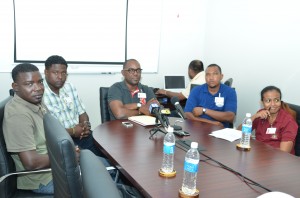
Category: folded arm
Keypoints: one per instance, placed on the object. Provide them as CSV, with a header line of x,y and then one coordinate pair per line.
x,y
221,116
190,116
122,111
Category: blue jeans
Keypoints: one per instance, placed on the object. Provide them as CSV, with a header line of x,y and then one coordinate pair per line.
x,y
45,189
88,143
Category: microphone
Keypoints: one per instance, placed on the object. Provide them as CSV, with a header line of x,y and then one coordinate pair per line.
x,y
155,110
175,102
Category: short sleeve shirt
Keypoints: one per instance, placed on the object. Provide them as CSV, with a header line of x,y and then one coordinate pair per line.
x,y
201,97
23,130
286,129
66,107
119,91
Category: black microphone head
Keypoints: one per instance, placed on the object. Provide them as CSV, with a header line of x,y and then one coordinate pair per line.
x,y
153,108
174,99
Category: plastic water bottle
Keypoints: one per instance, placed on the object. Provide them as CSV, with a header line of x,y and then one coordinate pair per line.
x,y
169,149
246,132
191,162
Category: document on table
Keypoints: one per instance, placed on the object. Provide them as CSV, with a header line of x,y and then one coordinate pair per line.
x,y
227,134
143,120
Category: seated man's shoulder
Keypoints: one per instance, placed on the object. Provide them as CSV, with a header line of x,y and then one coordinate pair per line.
x,y
146,87
70,88
199,87
228,89
69,85
16,106
115,86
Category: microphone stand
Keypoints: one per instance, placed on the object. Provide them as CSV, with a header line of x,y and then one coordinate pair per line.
x,y
157,129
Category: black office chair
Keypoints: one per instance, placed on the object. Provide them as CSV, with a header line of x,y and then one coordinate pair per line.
x,y
8,182
71,180
96,180
104,112
11,92
193,86
65,168
228,82
297,141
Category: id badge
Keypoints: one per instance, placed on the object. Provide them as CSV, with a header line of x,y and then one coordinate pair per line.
x,y
271,131
219,101
141,95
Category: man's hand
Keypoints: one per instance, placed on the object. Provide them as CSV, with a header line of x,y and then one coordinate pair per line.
x,y
82,130
198,111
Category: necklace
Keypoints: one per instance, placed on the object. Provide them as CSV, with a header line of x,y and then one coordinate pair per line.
x,y
272,119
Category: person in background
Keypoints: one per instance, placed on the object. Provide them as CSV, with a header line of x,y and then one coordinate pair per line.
x,y
129,97
212,102
275,123
196,74
63,102
26,140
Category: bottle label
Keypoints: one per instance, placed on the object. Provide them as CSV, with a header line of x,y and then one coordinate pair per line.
x,y
169,149
191,166
246,129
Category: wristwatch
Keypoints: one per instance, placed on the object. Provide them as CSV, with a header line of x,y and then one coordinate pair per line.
x,y
203,111
138,105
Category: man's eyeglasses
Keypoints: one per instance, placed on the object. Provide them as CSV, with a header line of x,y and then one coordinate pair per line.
x,y
132,71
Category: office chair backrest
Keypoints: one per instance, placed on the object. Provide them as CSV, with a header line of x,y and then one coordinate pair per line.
x,y
11,92
97,182
228,82
193,86
297,141
61,151
104,112
9,185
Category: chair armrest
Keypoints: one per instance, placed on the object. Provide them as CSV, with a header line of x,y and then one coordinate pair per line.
x,y
110,168
24,173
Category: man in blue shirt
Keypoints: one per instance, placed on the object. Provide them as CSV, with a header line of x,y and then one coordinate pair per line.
x,y
212,102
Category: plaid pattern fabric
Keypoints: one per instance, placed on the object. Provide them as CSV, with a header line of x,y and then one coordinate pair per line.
x,y
66,106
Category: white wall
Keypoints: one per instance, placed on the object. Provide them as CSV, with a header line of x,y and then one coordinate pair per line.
x,y
256,42
182,40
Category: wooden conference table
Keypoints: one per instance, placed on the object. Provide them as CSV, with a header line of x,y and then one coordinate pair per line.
x,y
139,159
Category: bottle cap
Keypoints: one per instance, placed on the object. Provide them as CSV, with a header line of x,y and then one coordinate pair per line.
x,y
194,145
170,129
248,114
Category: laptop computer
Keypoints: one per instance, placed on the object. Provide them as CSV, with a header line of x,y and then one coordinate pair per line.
x,y
174,83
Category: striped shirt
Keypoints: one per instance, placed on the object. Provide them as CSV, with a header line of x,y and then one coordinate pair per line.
x,y
66,107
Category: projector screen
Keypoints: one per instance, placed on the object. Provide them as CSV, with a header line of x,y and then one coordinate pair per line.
x,y
92,35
